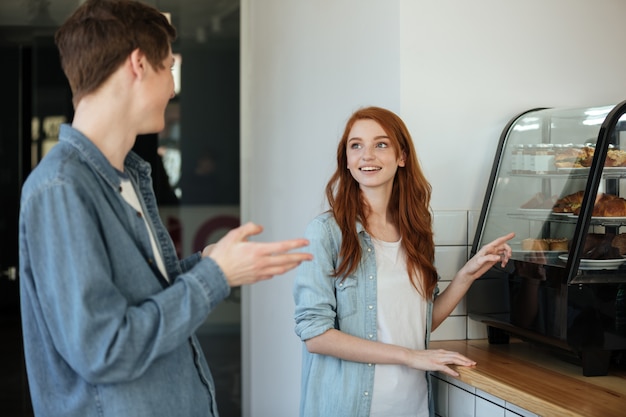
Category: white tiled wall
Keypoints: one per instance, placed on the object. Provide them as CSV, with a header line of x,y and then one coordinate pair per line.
x,y
454,234
454,398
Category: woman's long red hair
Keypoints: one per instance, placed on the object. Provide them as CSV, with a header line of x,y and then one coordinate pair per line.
x,y
409,204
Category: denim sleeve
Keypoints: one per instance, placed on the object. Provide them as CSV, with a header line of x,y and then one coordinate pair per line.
x,y
103,330
314,286
190,261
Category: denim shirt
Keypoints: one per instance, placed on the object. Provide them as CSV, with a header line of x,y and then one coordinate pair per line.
x,y
105,334
332,387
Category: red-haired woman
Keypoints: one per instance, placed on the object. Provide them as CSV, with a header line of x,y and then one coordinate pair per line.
x,y
366,304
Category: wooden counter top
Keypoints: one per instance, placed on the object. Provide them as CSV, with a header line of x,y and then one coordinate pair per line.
x,y
533,378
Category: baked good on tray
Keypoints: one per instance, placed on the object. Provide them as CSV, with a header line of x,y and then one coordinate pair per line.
x,y
615,158
582,157
600,246
558,244
573,157
569,203
542,245
538,245
606,205
619,242
610,207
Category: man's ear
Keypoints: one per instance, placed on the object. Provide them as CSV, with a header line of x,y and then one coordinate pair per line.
x,y
137,62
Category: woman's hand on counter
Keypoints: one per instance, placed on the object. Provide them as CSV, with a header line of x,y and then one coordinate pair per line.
x,y
438,360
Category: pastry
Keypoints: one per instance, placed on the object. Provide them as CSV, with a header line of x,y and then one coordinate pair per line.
x,y
558,244
606,205
586,157
538,245
569,158
615,158
615,207
619,242
583,157
600,246
569,203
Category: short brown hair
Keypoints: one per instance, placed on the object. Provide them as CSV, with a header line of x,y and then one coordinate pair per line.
x,y
98,37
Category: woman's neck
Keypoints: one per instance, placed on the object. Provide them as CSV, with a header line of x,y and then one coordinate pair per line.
x,y
380,222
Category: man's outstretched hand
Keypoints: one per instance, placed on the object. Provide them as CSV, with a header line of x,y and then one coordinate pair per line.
x,y
245,262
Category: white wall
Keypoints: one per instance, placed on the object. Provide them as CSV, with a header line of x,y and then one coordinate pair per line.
x,y
456,71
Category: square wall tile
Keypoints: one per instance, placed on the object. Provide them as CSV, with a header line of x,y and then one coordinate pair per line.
x,y
460,309
452,328
440,395
490,397
476,329
472,223
486,408
450,228
449,259
460,402
463,385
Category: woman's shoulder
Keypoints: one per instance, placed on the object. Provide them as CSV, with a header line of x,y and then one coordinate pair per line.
x,y
325,219
323,224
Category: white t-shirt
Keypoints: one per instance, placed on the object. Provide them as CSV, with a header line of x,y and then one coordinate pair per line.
x,y
399,391
130,195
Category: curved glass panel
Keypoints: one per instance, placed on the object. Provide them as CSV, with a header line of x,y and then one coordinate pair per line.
x,y
542,174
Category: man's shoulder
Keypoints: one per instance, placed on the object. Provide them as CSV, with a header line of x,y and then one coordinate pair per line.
x,y
63,165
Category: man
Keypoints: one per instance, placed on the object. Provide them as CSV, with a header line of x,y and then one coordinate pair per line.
x,y
108,311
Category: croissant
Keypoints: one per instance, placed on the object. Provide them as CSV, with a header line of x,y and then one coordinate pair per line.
x,y
615,207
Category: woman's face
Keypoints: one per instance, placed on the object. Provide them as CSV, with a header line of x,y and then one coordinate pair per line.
x,y
372,158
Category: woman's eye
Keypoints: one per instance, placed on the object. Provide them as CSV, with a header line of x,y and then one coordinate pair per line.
x,y
382,145
355,146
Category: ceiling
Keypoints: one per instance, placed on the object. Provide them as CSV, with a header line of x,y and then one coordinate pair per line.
x,y
194,19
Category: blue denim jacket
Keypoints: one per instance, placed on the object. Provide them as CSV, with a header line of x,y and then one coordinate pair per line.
x,y
332,387
104,333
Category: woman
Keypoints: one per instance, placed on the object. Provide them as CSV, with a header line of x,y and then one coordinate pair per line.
x,y
365,306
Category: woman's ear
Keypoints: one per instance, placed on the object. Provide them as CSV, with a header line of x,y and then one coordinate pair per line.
x,y
402,160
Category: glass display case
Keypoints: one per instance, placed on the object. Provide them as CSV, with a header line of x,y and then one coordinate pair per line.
x,y
559,182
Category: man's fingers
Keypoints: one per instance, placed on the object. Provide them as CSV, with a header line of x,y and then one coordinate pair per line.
x,y
241,233
281,247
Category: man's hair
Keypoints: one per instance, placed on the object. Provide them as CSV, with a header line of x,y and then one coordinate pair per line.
x,y
98,37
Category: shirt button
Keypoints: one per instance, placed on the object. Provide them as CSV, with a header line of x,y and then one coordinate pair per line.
x,y
370,336
139,214
370,307
371,276
369,364
341,285
369,249
366,393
